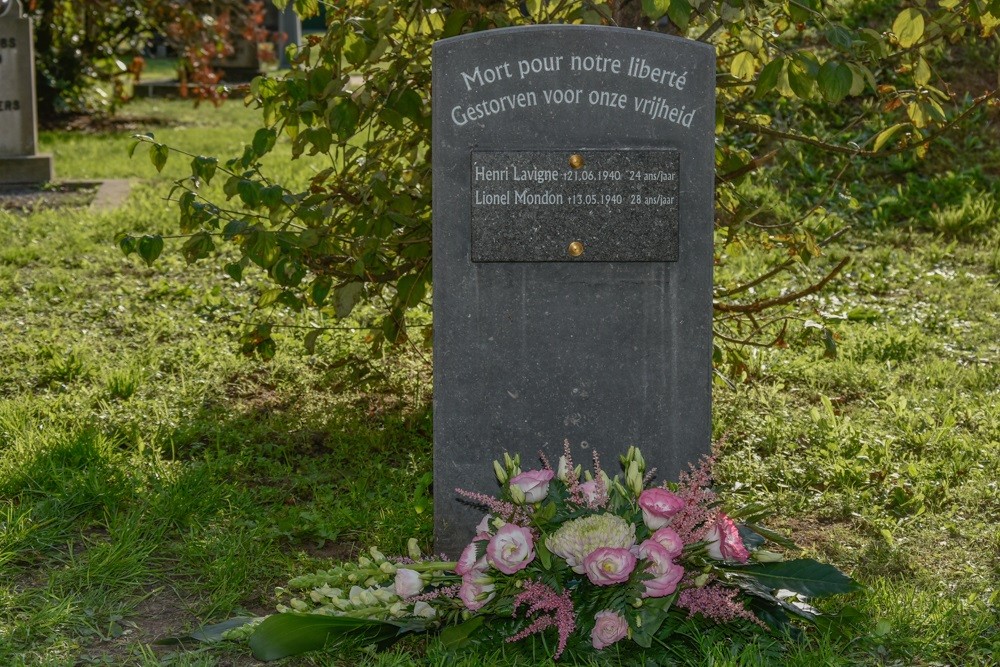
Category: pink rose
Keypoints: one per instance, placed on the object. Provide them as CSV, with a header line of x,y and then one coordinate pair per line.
x,y
477,589
669,539
658,505
511,549
467,562
608,565
610,627
408,583
666,573
534,483
724,540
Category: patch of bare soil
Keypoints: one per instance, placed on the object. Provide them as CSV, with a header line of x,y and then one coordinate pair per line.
x,y
163,614
50,195
100,124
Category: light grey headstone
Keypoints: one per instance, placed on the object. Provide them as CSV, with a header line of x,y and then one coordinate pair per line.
x,y
290,26
535,344
19,161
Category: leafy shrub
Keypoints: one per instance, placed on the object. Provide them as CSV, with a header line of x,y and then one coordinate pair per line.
x,y
356,103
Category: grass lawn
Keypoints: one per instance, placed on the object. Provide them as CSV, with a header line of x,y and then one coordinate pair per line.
x,y
152,479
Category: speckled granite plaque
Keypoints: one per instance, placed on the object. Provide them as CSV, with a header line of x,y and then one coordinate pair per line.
x,y
606,343
613,206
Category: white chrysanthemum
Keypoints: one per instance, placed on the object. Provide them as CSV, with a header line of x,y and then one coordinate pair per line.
x,y
577,538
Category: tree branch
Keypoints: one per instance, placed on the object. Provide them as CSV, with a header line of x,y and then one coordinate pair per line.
x,y
758,306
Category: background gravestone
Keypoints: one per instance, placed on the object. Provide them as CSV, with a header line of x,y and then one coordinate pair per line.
x,y
19,162
573,216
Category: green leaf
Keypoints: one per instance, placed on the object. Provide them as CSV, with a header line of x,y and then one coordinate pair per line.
x,y
408,104
209,634
128,243
266,349
284,635
343,117
158,154
804,575
347,297
456,20
457,636
263,140
768,77
908,27
288,272
321,289
132,146
885,135
356,49
235,271
234,228
197,247
307,8
310,340
652,614
800,78
249,192
680,13
840,37
544,555
411,290
771,535
922,72
204,168
743,66
261,247
834,81
655,9
150,248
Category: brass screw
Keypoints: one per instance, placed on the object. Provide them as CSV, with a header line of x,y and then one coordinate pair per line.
x,y
575,249
576,160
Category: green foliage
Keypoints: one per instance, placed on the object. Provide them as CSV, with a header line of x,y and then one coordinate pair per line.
x,y
355,105
86,51
284,635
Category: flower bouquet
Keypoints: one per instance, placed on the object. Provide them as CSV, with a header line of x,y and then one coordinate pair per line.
x,y
582,559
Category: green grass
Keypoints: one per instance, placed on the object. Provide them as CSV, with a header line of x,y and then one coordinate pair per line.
x,y
152,479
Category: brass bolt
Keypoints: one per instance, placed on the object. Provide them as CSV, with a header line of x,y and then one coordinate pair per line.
x,y
576,160
575,249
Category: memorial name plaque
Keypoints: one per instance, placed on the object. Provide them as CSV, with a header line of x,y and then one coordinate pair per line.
x,y
533,206
19,162
573,217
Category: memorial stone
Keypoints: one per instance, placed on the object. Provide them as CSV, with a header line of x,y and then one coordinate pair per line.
x,y
19,161
573,217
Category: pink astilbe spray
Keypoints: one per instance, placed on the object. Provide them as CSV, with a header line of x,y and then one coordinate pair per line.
x,y
545,461
715,602
540,599
602,489
572,481
442,592
695,489
509,512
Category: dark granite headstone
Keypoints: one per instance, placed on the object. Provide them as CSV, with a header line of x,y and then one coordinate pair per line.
x,y
573,194
19,160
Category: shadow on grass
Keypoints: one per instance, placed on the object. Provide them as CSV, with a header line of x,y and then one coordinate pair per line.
x,y
98,525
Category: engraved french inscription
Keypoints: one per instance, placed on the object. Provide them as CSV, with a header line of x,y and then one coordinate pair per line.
x,y
621,205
